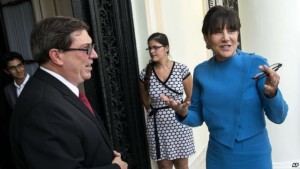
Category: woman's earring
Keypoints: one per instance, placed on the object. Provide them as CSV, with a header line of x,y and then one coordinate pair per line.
x,y
207,46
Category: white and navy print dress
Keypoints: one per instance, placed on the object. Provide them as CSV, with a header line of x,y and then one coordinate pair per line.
x,y
167,138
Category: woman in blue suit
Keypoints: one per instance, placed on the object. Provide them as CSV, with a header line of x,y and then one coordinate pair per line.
x,y
227,98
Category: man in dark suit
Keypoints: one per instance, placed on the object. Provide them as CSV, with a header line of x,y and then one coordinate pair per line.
x,y
14,65
51,127
5,113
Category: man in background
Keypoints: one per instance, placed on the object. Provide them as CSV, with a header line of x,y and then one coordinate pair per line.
x,y
14,65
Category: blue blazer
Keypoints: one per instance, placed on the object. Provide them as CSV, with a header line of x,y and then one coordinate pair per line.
x,y
233,105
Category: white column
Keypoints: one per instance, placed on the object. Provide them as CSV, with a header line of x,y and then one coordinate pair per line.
x,y
272,29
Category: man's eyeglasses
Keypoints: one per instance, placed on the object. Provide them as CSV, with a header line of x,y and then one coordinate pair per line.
x,y
260,75
88,49
20,66
153,47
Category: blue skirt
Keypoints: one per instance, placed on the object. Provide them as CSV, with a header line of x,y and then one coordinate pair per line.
x,y
251,153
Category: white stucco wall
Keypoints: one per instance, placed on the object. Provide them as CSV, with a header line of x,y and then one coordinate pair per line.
x,y
272,29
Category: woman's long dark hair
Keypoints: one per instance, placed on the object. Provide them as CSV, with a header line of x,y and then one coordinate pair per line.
x,y
162,39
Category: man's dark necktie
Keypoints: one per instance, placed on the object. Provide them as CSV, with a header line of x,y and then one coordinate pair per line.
x,y
86,102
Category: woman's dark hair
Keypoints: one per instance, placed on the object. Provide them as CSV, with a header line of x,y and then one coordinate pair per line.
x,y
162,39
219,16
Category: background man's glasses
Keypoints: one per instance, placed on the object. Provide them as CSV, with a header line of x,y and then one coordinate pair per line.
x,y
153,47
20,66
88,50
260,75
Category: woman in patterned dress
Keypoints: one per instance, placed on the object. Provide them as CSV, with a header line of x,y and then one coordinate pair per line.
x,y
170,143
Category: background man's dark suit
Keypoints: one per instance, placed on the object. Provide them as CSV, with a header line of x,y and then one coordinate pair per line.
x,y
11,94
53,115
5,113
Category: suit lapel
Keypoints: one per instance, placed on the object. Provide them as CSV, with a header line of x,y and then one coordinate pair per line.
x,y
80,105
74,100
